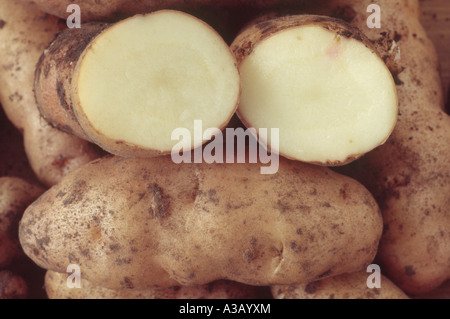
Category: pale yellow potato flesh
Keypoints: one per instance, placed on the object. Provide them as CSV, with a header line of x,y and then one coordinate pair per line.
x,y
331,97
150,74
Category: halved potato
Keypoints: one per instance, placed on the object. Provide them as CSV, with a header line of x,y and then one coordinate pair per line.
x,y
321,82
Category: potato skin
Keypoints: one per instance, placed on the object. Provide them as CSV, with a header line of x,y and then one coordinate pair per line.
x,y
192,224
15,196
409,175
345,286
25,33
56,288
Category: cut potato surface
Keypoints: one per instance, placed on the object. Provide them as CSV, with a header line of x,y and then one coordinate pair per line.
x,y
150,74
332,98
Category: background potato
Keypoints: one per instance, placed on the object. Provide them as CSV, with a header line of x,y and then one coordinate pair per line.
x,y
56,287
346,286
12,286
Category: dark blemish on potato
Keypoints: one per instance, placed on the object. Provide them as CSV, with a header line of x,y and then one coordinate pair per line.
x,y
15,97
123,261
114,247
127,283
191,275
60,162
41,242
161,203
409,271
244,51
62,95
73,259
326,204
35,251
282,207
311,287
299,231
343,192
76,193
2,24
295,248
325,274
85,252
211,197
252,253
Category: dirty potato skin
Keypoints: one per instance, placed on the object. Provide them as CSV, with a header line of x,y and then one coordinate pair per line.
x,y
140,223
15,196
56,288
345,286
55,69
24,33
410,174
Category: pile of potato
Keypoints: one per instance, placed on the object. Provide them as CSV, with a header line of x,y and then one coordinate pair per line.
x,y
79,191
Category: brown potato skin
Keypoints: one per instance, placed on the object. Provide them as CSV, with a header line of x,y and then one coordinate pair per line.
x,y
409,175
192,224
268,25
53,77
15,196
56,288
345,286
25,33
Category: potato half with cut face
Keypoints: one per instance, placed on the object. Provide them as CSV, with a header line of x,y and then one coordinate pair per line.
x,y
128,86
321,82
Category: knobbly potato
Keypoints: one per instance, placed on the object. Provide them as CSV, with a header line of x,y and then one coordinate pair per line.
x,y
140,223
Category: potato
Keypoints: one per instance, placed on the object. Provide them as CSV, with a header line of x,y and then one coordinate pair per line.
x,y
12,286
409,175
24,33
164,79
15,196
346,286
56,287
321,82
141,223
